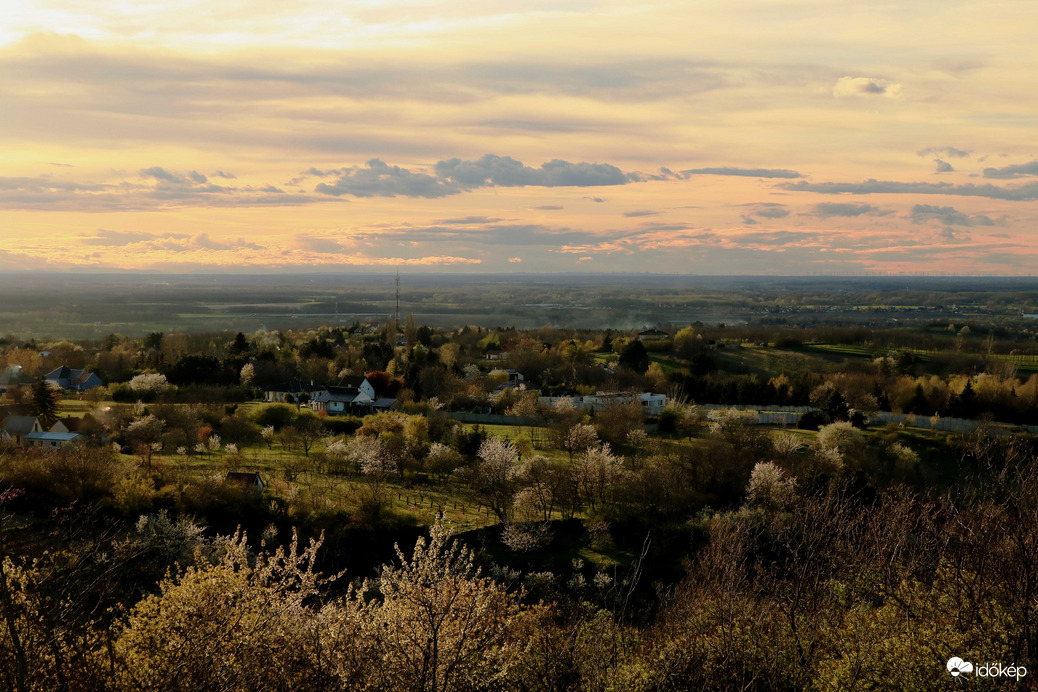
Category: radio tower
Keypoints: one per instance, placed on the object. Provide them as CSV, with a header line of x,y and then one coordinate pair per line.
x,y
398,297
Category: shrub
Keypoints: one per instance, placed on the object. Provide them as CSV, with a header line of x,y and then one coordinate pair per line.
x,y
812,420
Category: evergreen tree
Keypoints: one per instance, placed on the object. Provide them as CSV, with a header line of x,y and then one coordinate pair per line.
x,y
635,357
44,406
239,346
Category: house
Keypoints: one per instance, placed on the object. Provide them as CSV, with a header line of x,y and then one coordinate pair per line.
x,y
495,354
383,403
652,404
514,376
67,425
248,481
653,335
340,400
49,440
291,392
14,377
17,427
359,382
76,380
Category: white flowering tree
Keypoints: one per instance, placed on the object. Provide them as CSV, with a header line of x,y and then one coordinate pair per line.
x,y
496,477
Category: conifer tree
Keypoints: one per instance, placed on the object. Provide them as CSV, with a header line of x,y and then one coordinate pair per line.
x,y
44,406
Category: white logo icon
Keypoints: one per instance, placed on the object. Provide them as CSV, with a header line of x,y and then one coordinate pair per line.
x,y
956,666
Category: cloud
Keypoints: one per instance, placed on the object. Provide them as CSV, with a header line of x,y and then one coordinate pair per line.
x,y
943,166
771,211
827,209
519,235
453,176
596,200
640,212
515,260
748,172
776,238
225,175
1016,171
946,152
319,245
504,171
662,174
159,173
381,180
549,207
108,238
871,187
949,216
865,87
467,220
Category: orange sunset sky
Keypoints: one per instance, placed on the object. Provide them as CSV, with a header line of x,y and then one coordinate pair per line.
x,y
706,137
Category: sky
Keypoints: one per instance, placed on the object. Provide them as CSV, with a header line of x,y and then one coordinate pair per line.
x,y
790,137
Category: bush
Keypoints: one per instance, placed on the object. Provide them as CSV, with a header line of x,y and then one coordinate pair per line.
x,y
278,415
812,420
342,425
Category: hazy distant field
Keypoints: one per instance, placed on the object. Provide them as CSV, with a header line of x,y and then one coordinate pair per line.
x,y
63,305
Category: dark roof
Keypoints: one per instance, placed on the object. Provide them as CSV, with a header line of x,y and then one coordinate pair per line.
x,y
70,377
71,423
62,373
344,394
244,478
296,387
20,425
653,332
354,381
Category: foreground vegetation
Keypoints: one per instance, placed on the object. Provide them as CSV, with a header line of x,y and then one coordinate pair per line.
x,y
803,585
556,548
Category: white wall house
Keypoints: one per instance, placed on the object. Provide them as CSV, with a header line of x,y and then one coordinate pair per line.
x,y
652,404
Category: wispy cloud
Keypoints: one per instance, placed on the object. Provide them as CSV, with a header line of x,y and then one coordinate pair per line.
x,y
949,216
745,172
870,187
828,209
946,152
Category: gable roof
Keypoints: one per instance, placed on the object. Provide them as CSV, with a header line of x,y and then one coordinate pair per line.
x,y
71,378
344,394
62,373
354,381
70,423
20,425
